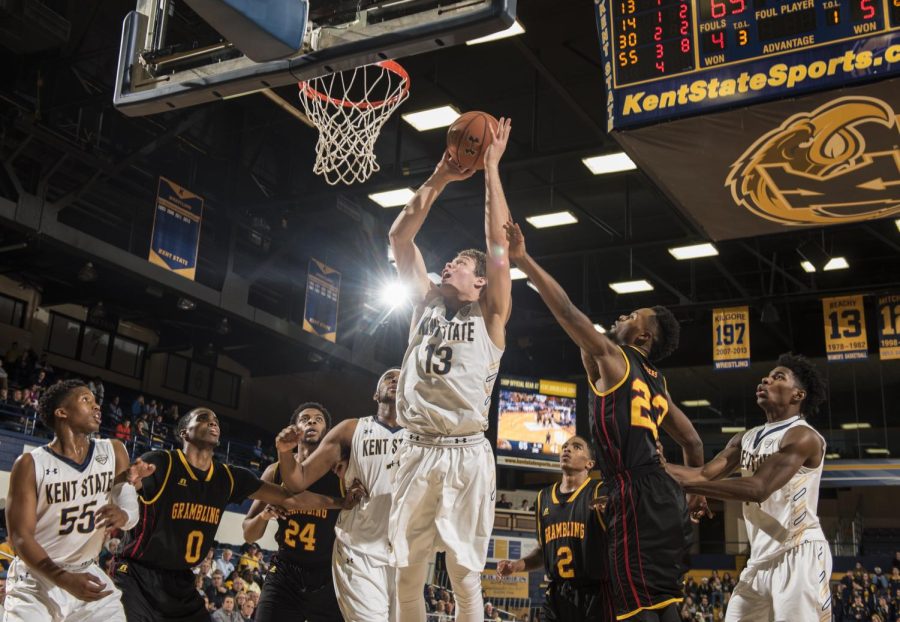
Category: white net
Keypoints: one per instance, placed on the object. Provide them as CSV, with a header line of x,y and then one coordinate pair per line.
x,y
349,108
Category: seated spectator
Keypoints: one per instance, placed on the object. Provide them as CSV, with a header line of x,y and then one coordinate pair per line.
x,y
152,410
137,407
705,609
123,432
258,449
431,599
142,427
490,613
894,580
114,411
247,610
896,562
238,587
441,613
227,613
523,507
217,591
688,609
41,379
503,504
858,609
159,428
879,579
224,563
251,585
248,557
239,599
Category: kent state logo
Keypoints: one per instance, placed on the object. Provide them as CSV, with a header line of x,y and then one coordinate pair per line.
x,y
817,167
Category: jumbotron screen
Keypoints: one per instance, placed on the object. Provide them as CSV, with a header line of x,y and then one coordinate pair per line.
x,y
534,418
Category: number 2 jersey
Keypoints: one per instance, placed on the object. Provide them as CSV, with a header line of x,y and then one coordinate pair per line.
x,y
181,508
306,537
68,496
448,372
571,534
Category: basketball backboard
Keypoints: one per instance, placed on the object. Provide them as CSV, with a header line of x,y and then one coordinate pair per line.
x,y
164,65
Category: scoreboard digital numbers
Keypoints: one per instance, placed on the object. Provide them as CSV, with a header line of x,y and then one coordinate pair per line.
x,y
670,58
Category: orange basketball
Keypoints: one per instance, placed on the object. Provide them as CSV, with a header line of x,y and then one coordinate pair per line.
x,y
468,138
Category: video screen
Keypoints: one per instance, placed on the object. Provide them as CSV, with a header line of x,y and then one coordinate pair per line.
x,y
535,418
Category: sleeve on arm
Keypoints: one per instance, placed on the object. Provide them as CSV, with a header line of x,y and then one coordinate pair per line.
x,y
245,483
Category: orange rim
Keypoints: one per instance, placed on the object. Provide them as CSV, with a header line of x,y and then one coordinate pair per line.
x,y
392,66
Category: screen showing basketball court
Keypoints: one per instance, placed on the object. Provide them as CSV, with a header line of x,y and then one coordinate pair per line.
x,y
534,418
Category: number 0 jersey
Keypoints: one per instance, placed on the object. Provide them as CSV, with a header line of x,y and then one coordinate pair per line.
x,y
625,419
306,537
571,534
68,495
181,508
448,372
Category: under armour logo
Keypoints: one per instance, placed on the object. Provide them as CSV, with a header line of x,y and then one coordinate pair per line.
x,y
54,470
392,464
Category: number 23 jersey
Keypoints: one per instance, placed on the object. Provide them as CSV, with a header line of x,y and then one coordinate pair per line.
x,y
448,372
181,508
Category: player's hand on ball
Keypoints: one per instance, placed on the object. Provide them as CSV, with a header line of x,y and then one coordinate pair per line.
x,y
110,517
516,240
500,137
273,511
138,471
449,170
83,586
288,439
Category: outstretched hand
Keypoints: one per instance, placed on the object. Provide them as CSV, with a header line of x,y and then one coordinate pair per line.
x,y
499,140
516,240
506,567
448,170
288,439
138,471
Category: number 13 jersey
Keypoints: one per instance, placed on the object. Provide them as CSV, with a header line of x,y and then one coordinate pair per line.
x,y
448,372
68,496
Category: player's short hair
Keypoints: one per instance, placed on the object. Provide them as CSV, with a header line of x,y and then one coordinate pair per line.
x,y
809,378
296,416
589,447
668,332
478,257
53,398
182,424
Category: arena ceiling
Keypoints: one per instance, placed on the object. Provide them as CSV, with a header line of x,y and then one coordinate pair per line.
x,y
266,213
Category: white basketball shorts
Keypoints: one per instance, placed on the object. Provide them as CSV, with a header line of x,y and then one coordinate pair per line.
x,y
364,592
443,498
32,598
793,587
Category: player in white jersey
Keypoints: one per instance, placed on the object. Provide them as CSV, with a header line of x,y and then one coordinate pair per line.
x,y
364,580
62,499
445,484
787,575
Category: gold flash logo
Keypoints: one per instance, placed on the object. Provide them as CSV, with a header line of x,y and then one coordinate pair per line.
x,y
182,482
816,168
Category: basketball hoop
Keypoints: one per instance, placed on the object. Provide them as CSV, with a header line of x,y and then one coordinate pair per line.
x,y
349,108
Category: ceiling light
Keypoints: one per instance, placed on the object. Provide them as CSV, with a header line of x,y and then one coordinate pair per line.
x,y
856,426
832,456
532,286
611,163
393,198
631,287
542,221
394,294
432,118
694,403
877,451
807,266
733,429
897,222
836,263
512,31
693,252
599,328
515,274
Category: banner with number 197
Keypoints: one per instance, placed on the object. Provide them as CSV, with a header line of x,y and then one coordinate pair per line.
x,y
845,328
731,338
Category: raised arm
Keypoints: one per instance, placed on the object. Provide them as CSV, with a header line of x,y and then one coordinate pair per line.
x,y
679,427
21,519
410,265
298,476
498,296
799,447
278,495
579,327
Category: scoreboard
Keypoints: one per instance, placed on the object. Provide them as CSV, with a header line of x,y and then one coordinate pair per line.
x,y
666,59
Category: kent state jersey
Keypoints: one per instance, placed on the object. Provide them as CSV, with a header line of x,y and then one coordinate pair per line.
x,y
571,534
181,508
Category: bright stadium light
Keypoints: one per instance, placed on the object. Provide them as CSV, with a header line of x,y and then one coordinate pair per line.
x,y
807,266
693,252
555,219
733,429
432,118
512,31
599,328
610,163
694,403
393,198
856,426
515,274
394,294
836,263
877,451
631,287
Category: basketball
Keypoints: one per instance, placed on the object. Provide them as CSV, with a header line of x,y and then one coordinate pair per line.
x,y
468,138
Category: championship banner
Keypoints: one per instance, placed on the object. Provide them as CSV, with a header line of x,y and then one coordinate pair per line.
x,y
731,337
176,229
889,327
845,328
323,289
512,586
